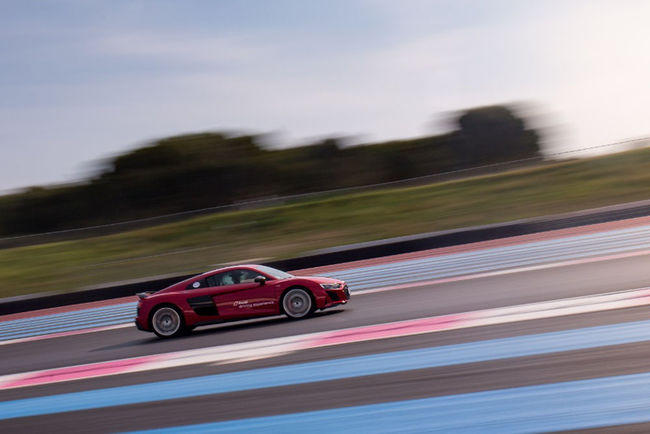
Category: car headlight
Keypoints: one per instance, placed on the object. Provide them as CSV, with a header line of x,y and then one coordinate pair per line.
x,y
330,285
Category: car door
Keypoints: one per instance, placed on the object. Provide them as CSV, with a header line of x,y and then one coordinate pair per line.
x,y
237,295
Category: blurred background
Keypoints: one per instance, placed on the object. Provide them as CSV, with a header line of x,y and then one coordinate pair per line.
x,y
506,141
146,138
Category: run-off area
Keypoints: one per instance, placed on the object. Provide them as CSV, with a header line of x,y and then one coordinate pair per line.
x,y
571,378
539,350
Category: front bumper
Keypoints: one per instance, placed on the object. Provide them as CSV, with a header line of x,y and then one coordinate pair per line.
x,y
337,297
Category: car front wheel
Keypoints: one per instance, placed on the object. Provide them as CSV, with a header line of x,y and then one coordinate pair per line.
x,y
167,322
297,303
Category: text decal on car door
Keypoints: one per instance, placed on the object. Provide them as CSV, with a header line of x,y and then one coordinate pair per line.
x,y
243,304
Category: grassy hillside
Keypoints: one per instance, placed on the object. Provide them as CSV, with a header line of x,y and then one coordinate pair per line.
x,y
203,170
203,243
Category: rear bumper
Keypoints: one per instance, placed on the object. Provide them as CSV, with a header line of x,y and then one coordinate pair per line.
x,y
140,326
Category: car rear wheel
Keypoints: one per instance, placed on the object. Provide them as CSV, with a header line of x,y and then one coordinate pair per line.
x,y
297,303
167,322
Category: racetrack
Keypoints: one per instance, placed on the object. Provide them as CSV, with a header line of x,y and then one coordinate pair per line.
x,y
574,364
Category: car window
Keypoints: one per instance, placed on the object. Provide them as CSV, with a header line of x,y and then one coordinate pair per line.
x,y
232,277
276,274
248,276
216,279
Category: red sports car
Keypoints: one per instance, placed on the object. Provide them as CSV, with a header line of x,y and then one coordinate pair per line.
x,y
244,291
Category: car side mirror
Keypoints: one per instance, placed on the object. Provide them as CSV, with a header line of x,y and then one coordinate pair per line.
x,y
260,279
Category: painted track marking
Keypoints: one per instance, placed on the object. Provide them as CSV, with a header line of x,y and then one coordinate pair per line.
x,y
63,331
278,346
572,405
326,370
436,269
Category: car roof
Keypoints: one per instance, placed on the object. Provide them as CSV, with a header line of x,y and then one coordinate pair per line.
x,y
230,267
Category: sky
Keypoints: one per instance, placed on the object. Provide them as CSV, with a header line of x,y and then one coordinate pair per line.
x,y
83,81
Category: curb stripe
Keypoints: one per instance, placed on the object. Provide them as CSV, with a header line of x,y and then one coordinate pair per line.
x,y
573,405
66,333
401,274
481,245
274,347
326,370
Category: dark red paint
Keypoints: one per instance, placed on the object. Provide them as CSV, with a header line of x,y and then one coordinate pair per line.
x,y
199,302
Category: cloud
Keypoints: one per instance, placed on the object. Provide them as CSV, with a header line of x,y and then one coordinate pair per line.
x,y
182,48
118,86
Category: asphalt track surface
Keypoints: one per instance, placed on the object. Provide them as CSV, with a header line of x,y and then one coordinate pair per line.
x,y
462,396
578,245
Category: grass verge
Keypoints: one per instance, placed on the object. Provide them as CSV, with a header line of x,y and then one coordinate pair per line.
x,y
205,242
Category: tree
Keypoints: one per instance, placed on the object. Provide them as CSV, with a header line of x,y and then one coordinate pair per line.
x,y
494,133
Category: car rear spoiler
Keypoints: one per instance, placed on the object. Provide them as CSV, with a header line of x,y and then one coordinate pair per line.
x,y
143,295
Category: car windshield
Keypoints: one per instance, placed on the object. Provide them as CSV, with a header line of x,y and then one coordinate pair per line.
x,y
276,274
